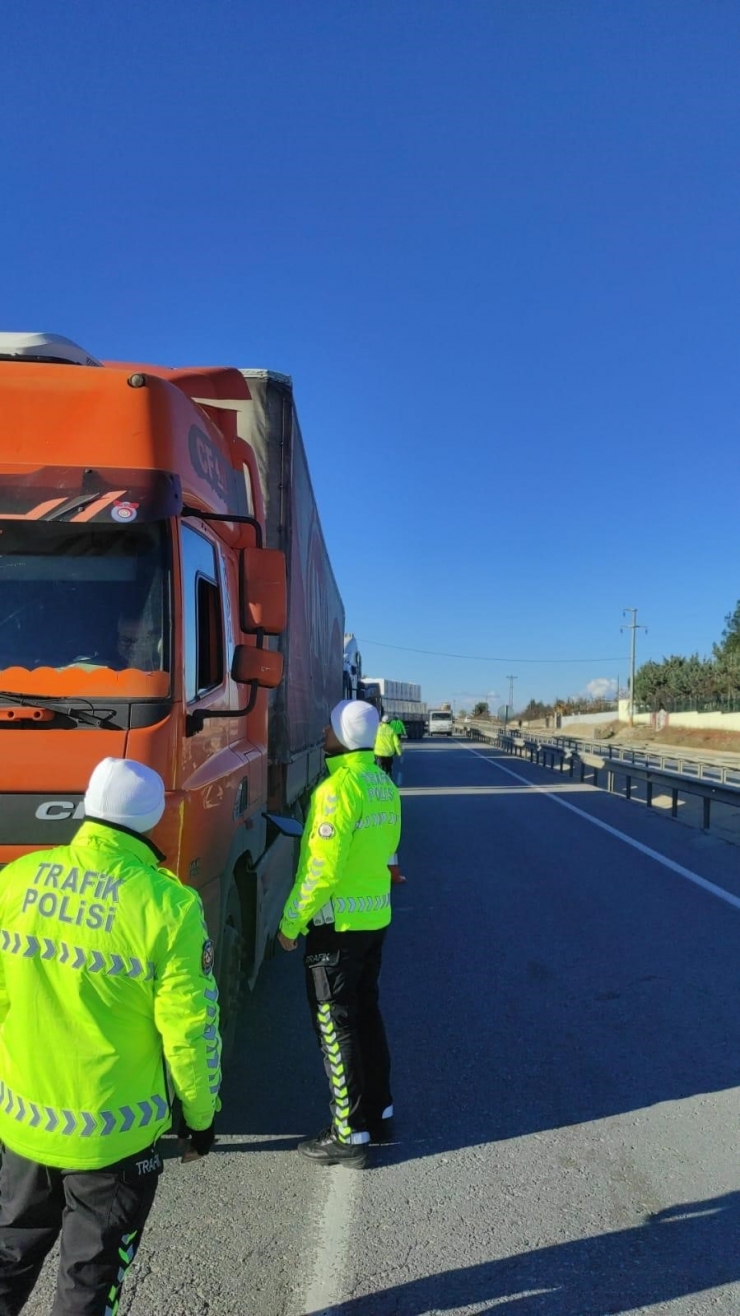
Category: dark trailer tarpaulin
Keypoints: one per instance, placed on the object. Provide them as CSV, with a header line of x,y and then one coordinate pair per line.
x,y
312,644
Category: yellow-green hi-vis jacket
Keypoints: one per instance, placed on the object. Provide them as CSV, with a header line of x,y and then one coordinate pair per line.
x,y
387,743
352,830
105,975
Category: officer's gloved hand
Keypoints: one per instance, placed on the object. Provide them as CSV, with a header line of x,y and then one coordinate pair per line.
x,y
201,1140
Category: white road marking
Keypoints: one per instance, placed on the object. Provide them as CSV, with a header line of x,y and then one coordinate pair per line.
x,y
400,779
565,788
489,1303
688,873
431,746
325,1288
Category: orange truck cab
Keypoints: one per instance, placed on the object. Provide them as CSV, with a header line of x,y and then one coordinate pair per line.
x,y
165,595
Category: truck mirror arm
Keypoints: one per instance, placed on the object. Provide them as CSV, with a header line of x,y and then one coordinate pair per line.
x,y
227,516
242,672
194,721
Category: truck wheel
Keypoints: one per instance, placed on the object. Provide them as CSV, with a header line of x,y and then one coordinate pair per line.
x,y
229,976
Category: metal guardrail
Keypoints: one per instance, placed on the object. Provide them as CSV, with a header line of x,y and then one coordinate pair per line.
x,y
700,769
571,758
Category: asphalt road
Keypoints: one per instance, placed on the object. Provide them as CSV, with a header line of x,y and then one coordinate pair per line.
x,y
562,1006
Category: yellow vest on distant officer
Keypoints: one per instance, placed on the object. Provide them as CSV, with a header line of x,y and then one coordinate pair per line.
x,y
387,744
352,830
105,972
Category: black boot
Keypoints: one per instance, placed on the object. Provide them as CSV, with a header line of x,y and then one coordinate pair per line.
x,y
326,1149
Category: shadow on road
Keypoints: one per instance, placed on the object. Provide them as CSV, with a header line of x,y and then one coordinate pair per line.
x,y
686,1250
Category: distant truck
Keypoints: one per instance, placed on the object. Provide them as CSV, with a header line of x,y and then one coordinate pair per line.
x,y
398,699
166,595
440,721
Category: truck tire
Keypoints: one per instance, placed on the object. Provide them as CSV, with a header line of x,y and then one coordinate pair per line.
x,y
229,974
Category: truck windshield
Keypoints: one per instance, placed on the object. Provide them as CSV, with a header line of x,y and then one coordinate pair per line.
x,y
84,600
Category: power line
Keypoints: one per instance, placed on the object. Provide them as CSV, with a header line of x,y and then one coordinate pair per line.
x,y
486,658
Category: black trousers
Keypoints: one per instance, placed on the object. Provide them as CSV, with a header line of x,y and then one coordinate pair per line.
x,y
386,764
342,972
100,1215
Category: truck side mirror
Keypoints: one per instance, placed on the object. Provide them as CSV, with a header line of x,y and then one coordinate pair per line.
x,y
262,667
264,592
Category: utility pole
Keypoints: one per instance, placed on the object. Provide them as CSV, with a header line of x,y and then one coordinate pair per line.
x,y
510,705
634,628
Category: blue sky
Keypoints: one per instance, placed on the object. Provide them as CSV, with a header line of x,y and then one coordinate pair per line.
x,y
496,245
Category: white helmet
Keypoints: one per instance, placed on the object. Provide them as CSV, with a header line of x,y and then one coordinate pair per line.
x,y
385,718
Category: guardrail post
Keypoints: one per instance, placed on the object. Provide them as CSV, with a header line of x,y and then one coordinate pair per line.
x,y
596,776
628,792
674,802
649,791
707,802
610,782
583,770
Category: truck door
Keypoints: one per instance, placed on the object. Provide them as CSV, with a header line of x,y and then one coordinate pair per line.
x,y
214,777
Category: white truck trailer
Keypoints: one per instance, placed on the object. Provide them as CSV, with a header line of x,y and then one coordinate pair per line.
x,y
397,699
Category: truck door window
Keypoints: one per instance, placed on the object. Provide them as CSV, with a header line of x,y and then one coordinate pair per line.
x,y
204,632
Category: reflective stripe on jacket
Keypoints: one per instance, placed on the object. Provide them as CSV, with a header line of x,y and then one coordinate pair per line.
x,y
387,744
352,829
105,972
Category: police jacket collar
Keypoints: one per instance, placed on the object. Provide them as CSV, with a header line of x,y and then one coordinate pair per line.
x,y
360,756
123,838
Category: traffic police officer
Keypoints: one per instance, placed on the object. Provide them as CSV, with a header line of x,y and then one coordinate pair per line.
x,y
387,745
105,978
341,900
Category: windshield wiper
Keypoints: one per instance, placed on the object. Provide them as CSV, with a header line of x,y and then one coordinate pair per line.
x,y
87,715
